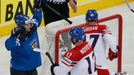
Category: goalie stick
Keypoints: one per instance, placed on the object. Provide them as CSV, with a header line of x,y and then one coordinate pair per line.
x,y
59,14
129,6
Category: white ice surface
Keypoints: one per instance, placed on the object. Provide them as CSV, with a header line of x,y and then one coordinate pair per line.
x,y
128,40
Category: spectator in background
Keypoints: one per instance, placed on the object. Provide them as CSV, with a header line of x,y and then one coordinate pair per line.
x,y
59,5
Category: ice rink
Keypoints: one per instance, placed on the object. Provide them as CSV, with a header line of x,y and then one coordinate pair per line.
x,y
128,40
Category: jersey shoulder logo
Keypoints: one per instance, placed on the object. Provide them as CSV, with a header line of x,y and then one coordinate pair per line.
x,y
34,45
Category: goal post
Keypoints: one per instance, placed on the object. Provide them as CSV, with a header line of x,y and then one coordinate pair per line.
x,y
120,32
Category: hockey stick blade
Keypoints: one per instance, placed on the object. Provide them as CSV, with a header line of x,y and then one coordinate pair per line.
x,y
59,14
50,58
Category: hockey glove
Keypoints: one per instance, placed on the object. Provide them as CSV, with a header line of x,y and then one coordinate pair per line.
x,y
43,3
112,55
52,68
17,31
37,4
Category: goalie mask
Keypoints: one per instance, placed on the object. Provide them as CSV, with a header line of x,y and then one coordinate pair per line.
x,y
91,15
77,34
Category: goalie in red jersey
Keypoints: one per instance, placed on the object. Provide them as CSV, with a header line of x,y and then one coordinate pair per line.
x,y
101,39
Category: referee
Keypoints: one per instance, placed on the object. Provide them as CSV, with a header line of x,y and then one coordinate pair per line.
x,y
59,5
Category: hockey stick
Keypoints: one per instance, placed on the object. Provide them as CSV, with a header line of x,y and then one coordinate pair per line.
x,y
129,6
46,53
59,14
50,58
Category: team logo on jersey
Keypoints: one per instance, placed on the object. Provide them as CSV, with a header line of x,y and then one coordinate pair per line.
x,y
34,45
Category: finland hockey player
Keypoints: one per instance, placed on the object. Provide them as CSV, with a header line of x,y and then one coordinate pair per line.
x,y
23,40
100,37
80,60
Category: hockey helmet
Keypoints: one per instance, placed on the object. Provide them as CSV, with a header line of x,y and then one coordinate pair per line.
x,y
77,34
91,15
21,19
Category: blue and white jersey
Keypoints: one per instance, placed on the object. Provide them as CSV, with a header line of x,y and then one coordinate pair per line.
x,y
22,56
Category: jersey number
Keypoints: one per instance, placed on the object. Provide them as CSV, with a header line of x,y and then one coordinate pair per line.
x,y
69,55
95,40
89,63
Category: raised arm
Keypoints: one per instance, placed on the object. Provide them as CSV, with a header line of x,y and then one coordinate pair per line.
x,y
73,5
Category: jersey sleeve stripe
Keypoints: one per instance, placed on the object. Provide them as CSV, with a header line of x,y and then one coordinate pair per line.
x,y
67,64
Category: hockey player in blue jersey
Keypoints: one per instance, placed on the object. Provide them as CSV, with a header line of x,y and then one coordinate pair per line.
x,y
23,40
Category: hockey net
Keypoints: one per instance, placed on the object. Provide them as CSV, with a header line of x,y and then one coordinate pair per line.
x,y
52,40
